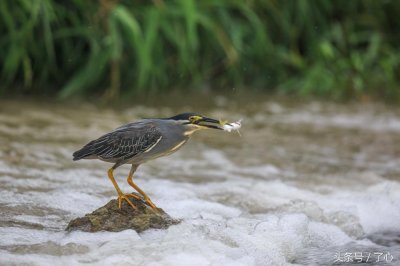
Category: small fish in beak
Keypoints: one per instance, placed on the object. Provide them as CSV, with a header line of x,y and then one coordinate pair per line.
x,y
233,126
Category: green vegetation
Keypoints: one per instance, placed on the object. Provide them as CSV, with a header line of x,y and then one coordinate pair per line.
x,y
334,49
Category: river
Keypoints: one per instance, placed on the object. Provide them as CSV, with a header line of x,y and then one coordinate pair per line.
x,y
305,183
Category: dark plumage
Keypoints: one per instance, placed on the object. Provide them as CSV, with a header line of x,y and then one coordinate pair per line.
x,y
121,144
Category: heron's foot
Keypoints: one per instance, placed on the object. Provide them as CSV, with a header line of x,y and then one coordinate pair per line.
x,y
151,204
135,195
126,197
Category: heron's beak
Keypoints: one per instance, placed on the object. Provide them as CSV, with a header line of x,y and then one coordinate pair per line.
x,y
209,123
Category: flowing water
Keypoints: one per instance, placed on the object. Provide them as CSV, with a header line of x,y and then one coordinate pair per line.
x,y
305,184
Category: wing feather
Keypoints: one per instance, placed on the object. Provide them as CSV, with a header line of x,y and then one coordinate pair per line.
x,y
123,143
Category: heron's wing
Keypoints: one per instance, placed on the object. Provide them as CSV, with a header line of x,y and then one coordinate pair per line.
x,y
123,143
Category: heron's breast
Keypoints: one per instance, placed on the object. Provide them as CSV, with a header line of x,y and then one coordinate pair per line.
x,y
177,146
167,146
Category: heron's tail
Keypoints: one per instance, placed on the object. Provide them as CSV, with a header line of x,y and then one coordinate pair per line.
x,y
83,153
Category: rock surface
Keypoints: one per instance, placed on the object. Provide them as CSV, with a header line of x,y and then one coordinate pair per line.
x,y
111,218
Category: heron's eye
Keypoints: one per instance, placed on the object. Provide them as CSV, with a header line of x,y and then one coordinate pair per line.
x,y
194,118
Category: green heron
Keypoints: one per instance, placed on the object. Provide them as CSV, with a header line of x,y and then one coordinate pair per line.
x,y
138,142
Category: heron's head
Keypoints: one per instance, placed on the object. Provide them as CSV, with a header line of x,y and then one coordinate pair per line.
x,y
194,121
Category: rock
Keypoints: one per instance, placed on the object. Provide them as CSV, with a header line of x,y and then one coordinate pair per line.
x,y
111,218
385,238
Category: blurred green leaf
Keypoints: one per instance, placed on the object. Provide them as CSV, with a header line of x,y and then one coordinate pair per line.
x,y
330,49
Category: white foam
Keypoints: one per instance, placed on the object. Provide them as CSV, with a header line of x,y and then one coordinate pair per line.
x,y
232,214
215,229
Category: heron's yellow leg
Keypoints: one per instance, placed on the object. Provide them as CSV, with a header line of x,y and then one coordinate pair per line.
x,y
146,198
121,195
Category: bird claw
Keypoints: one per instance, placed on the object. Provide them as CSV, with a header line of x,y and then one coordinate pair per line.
x,y
126,197
138,197
151,204
135,195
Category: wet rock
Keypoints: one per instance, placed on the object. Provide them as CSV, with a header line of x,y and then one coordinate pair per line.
x,y
111,218
387,239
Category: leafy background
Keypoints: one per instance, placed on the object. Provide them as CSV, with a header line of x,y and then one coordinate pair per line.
x,y
334,49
